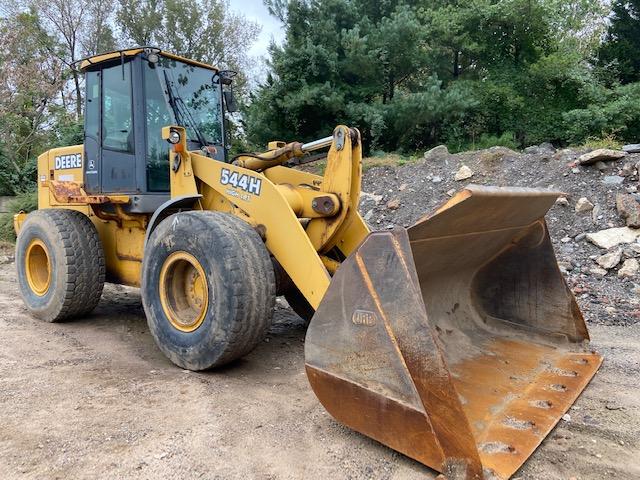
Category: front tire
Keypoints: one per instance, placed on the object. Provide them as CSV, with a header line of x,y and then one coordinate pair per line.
x,y
60,264
208,288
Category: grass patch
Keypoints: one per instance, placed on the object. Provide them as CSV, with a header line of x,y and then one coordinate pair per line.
x,y
605,141
25,202
377,159
387,160
484,142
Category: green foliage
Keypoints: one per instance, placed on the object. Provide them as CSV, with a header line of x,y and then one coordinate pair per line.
x,y
25,202
606,141
413,74
621,50
617,114
507,139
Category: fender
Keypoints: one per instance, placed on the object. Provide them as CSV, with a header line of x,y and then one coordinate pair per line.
x,y
184,201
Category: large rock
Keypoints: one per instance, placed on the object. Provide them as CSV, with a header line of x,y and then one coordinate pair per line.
x,y
612,237
464,173
602,154
629,209
613,180
437,153
547,147
584,205
629,268
610,260
632,148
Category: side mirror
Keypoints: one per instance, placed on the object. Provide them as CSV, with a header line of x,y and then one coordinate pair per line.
x,y
230,101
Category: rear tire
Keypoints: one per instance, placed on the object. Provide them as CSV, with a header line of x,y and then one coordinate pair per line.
x,y
60,264
208,288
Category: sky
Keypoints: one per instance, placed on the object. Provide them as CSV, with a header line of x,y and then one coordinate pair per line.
x,y
255,11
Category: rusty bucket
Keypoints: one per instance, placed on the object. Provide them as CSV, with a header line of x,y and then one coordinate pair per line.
x,y
456,342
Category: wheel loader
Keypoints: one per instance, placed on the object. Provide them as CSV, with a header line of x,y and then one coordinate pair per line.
x,y
455,342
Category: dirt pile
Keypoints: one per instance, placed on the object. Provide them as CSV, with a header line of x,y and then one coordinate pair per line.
x,y
600,199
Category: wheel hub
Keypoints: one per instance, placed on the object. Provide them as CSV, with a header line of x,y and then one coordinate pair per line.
x,y
184,294
38,267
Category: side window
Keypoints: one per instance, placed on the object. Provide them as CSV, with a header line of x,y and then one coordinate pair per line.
x,y
117,113
92,109
157,116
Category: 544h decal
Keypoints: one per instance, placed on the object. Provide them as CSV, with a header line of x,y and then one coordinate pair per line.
x,y
248,183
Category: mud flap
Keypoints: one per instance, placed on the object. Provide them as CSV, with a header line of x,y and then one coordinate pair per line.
x,y
455,342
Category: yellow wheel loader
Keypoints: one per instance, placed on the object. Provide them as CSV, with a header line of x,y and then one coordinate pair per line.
x,y
456,342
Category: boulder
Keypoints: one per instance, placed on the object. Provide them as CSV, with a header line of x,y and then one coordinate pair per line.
x,y
562,201
532,150
628,169
439,152
600,165
463,174
583,205
601,154
436,179
629,209
612,237
610,260
547,147
629,268
632,148
598,272
613,180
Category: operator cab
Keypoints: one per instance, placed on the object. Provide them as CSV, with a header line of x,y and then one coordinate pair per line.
x,y
130,96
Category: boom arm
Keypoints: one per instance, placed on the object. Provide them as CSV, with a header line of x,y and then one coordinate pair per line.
x,y
275,200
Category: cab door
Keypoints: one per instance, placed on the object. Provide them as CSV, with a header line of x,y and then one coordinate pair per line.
x,y
118,161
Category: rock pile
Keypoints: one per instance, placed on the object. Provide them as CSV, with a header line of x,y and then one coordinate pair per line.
x,y
594,225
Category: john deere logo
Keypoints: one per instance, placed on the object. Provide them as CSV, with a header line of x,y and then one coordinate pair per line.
x,y
364,317
68,161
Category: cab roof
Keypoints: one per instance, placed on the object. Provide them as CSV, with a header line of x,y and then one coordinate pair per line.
x,y
85,63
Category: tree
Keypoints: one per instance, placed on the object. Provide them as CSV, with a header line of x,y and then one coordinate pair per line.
x,y
140,21
30,79
205,30
621,48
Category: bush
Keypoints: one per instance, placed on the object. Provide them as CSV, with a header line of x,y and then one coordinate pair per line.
x,y
485,141
616,114
25,202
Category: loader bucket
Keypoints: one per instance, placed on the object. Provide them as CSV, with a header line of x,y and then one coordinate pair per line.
x,y
456,342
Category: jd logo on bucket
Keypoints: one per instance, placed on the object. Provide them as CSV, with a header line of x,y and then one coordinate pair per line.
x,y
68,161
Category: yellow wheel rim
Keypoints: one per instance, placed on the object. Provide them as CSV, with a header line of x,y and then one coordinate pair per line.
x,y
184,293
38,267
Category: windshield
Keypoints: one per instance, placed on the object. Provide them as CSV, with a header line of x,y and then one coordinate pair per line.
x,y
194,98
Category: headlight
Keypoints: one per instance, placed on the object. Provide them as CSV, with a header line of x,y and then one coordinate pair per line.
x,y
174,137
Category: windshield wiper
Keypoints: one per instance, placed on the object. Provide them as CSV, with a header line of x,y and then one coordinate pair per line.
x,y
182,112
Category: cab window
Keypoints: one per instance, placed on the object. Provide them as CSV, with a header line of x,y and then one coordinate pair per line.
x,y
157,115
117,111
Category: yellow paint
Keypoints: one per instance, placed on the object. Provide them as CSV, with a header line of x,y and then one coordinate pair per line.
x,y
182,180
275,208
18,220
184,293
285,237
38,267
104,57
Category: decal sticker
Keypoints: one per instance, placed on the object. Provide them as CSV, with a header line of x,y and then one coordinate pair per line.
x,y
248,183
64,162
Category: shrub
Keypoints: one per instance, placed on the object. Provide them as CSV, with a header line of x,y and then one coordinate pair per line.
x,y
25,202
